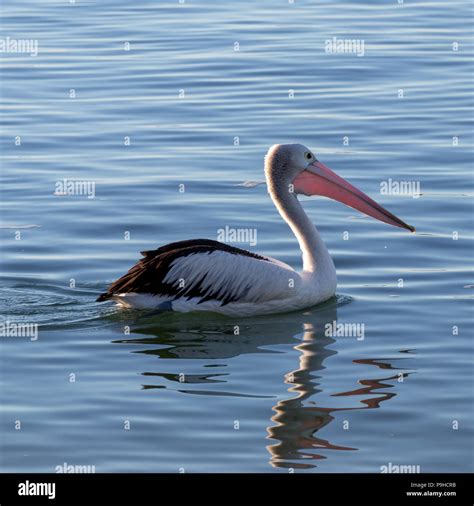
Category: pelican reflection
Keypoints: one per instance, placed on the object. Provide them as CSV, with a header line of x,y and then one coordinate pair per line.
x,y
298,419
296,429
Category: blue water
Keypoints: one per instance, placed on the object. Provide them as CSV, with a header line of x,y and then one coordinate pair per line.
x,y
133,391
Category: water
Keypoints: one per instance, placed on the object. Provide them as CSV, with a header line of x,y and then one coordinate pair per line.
x,y
133,391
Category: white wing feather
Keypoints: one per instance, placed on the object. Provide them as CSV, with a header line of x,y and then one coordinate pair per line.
x,y
239,277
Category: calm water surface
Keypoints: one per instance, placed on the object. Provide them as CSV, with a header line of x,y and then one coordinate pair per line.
x,y
166,128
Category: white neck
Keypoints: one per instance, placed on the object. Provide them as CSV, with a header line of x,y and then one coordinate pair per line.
x,y
316,257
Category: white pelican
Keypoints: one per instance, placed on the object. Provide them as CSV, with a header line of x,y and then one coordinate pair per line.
x,y
206,275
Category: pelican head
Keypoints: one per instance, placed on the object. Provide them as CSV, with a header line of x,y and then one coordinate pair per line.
x,y
294,168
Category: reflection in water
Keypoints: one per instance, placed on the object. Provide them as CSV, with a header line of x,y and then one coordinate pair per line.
x,y
296,424
297,419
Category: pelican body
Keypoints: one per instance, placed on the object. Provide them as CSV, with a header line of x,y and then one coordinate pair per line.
x,y
210,276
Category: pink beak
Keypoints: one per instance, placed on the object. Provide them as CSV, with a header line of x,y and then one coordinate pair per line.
x,y
317,179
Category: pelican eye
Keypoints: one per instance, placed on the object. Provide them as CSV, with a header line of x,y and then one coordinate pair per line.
x,y
308,155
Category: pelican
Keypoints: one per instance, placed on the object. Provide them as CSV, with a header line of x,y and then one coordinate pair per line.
x,y
207,275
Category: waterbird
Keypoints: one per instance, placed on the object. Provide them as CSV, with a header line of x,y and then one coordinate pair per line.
x,y
207,275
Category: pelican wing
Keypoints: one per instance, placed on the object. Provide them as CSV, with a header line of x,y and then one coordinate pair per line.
x,y
207,270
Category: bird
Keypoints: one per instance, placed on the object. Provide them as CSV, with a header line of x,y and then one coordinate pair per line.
x,y
204,275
